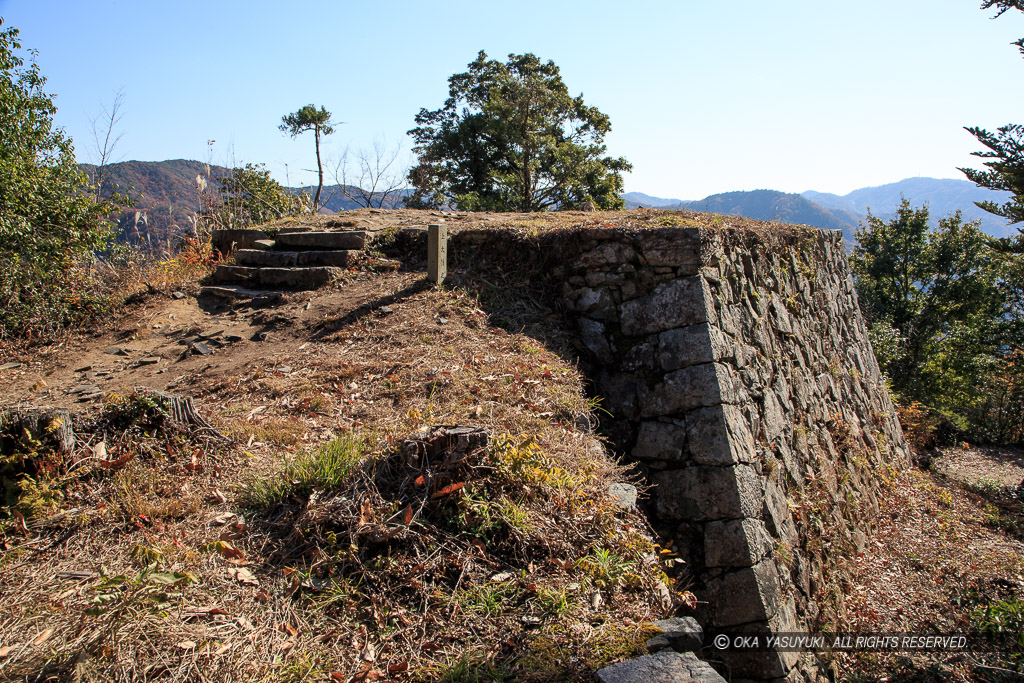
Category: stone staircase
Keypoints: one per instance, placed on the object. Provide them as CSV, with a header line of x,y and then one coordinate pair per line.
x,y
295,259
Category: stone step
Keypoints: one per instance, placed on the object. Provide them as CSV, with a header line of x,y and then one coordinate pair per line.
x,y
349,239
263,245
340,258
225,239
276,278
236,293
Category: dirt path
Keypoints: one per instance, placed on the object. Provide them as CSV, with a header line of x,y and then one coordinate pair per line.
x,y
187,345
947,557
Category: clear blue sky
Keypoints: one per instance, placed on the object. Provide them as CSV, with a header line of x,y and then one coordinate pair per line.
x,y
703,97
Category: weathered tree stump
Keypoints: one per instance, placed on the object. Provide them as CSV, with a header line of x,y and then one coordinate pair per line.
x,y
51,428
182,412
453,442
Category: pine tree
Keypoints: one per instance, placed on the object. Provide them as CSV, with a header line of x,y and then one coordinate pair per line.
x,y
1005,150
511,138
318,121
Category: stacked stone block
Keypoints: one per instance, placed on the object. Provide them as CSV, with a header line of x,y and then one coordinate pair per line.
x,y
742,363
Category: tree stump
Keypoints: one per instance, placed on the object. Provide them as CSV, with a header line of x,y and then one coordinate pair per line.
x,y
51,428
182,411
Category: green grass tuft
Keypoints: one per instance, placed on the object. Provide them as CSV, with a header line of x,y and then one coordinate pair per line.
x,y
325,467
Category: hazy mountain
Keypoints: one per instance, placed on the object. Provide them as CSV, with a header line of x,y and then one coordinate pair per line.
x,y
636,200
943,196
166,199
772,205
334,199
165,196
846,212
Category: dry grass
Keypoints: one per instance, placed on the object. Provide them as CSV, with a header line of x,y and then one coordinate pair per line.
x,y
167,567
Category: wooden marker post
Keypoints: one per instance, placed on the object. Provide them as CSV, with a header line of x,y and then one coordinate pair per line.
x,y
437,253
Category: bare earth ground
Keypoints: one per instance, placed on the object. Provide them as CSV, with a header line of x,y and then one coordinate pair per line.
x,y
149,562
947,553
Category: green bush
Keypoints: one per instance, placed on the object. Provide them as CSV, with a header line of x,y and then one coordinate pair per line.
x,y
50,224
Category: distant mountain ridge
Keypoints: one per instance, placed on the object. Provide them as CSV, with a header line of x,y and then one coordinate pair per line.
x,y
637,199
167,198
943,196
772,205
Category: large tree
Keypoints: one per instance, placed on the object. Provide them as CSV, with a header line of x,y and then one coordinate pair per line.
x,y
49,219
1004,150
943,316
318,121
510,137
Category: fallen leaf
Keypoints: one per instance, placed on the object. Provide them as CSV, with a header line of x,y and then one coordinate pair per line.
x,y
399,668
243,575
186,645
448,490
218,496
99,451
229,551
289,629
366,513
689,599
407,519
194,465
254,412
119,462
20,522
42,637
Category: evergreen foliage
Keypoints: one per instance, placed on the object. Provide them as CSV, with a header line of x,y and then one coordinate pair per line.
x,y
511,138
1005,152
945,318
49,220
318,121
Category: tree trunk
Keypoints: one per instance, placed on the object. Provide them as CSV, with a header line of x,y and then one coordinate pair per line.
x,y
49,426
320,171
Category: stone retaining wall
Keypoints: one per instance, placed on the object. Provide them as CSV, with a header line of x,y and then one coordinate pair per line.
x,y
739,368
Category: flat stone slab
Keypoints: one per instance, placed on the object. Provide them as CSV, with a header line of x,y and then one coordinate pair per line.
x,y
339,258
666,666
298,278
234,275
223,240
263,245
236,293
682,634
276,278
351,239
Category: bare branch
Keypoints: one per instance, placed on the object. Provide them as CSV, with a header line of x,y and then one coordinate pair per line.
x,y
371,177
106,136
